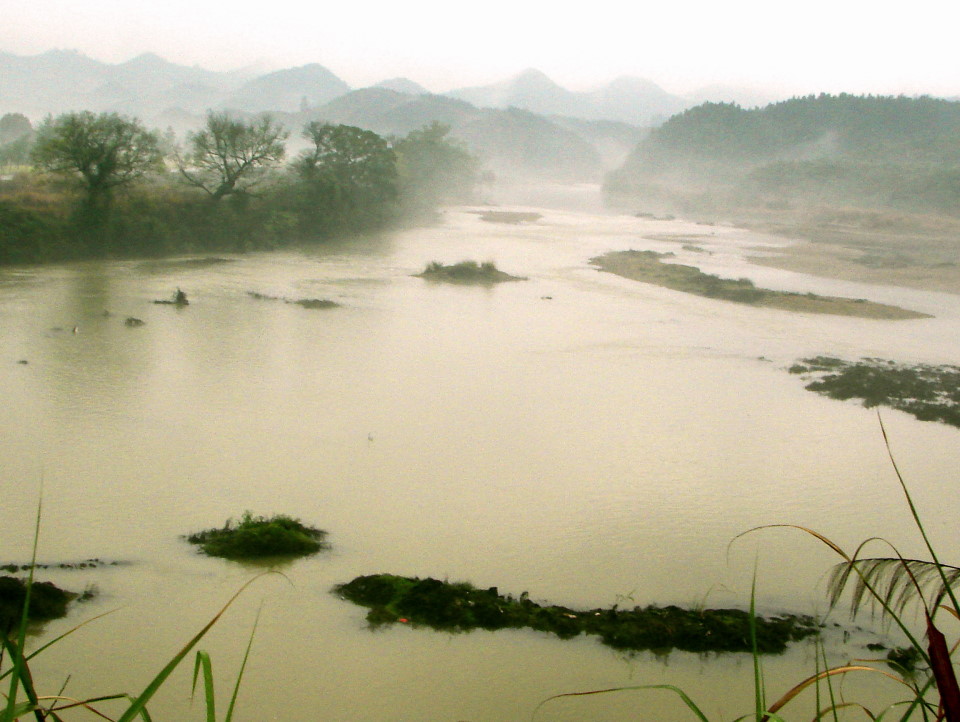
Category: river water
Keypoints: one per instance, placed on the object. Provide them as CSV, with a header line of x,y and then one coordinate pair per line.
x,y
586,438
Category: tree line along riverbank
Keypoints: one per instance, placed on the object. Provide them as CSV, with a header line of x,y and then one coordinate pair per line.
x,y
104,186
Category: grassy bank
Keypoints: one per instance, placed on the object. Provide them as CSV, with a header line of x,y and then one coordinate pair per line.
x,y
647,266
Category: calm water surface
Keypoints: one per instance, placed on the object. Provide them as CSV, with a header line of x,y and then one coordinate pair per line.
x,y
586,438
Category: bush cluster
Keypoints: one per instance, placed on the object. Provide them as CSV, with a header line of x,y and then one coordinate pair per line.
x,y
258,536
459,606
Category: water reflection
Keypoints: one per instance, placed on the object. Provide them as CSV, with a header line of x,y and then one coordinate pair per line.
x,y
607,443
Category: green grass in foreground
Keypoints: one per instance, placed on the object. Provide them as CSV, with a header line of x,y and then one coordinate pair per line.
x,y
923,671
258,536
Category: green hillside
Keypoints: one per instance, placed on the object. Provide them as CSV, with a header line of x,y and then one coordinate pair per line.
x,y
894,153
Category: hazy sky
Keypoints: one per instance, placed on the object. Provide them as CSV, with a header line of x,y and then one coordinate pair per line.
x,y
809,46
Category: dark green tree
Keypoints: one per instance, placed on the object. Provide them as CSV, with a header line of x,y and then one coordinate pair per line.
x,y
349,177
16,152
434,169
13,127
104,151
230,156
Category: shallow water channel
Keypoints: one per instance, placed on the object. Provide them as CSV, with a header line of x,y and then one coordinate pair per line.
x,y
586,438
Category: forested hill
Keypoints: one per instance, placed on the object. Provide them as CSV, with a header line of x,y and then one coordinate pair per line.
x,y
881,151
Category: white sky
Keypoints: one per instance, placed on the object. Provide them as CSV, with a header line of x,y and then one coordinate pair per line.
x,y
783,45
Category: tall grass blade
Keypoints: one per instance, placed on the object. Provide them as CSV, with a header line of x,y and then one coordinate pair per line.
x,y
59,637
918,700
798,688
140,702
916,516
955,615
832,710
829,680
85,703
20,672
21,709
243,666
758,691
676,690
899,580
851,564
203,661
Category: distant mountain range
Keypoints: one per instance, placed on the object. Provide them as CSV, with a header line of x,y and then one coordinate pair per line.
x,y
628,100
527,123
147,85
61,80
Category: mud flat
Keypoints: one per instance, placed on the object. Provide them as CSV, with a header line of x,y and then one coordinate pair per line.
x,y
885,247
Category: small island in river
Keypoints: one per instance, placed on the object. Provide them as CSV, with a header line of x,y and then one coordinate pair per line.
x,y
47,601
647,266
460,607
311,303
511,217
467,272
930,393
257,536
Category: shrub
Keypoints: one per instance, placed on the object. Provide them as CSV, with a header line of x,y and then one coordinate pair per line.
x,y
259,536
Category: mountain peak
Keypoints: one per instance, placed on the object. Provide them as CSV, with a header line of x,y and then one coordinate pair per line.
x,y
64,53
146,60
631,83
301,87
533,78
403,85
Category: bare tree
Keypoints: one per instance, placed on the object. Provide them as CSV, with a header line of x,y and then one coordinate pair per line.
x,y
230,156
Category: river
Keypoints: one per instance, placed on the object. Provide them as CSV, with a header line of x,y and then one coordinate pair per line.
x,y
586,438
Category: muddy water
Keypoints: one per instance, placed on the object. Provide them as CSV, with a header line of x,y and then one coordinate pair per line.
x,y
582,437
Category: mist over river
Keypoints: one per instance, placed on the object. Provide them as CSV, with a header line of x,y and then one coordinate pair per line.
x,y
586,438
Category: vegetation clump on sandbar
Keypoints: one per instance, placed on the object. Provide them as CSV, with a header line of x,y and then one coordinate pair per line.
x,y
459,606
93,563
646,266
467,272
311,303
47,601
511,217
931,393
258,536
